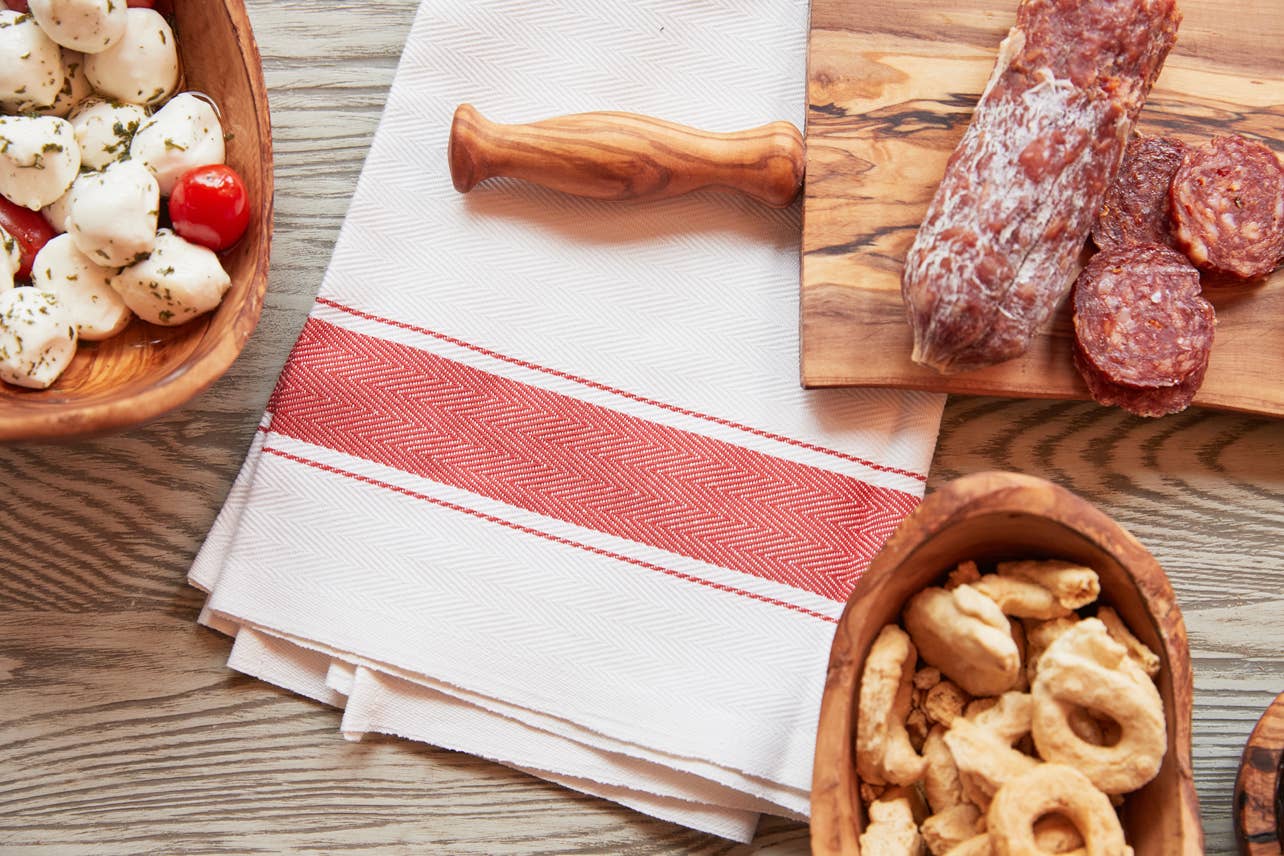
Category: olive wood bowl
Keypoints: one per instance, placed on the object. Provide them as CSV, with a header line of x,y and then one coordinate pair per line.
x,y
994,516
148,370
1259,788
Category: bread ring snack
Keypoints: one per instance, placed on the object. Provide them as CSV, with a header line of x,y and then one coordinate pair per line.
x,y
891,830
976,846
947,829
984,761
1021,598
883,750
1053,789
941,782
1010,719
965,635
1085,668
998,683
1073,585
1038,636
1147,659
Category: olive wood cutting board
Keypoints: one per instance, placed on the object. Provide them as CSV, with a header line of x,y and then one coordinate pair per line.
x,y
890,90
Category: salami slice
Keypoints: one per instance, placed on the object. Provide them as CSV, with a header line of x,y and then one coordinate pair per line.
x,y
1228,207
1136,209
1140,317
999,241
1152,402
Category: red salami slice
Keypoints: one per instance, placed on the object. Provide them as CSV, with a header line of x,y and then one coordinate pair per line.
x,y
1156,401
1228,207
1136,210
1140,317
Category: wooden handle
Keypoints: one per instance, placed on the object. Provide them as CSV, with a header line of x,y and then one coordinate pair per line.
x,y
625,156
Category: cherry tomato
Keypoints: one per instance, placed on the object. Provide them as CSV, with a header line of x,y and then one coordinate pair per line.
x,y
165,7
17,5
210,206
30,229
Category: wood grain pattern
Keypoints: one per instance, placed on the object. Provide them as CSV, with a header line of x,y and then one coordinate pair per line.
x,y
99,653
147,369
624,156
891,88
995,516
1259,790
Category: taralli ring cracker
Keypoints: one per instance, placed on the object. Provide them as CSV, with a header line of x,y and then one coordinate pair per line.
x,y
883,750
1033,719
1053,789
965,635
1085,668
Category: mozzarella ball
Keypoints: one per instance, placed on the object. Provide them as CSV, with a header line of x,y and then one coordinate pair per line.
x,y
141,68
37,341
75,86
104,130
183,134
10,252
177,282
88,26
30,64
55,213
39,159
90,303
10,260
112,214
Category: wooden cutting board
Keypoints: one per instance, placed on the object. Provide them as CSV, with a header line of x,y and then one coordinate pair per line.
x,y
890,88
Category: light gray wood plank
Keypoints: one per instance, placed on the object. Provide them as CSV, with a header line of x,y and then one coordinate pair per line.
x,y
122,731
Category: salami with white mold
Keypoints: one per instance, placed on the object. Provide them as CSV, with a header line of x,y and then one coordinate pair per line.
x,y
1228,207
997,247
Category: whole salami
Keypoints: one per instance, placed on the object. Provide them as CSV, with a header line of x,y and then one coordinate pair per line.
x,y
1000,238
1136,208
1143,330
1228,207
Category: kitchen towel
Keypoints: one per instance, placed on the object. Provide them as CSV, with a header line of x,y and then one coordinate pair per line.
x,y
538,481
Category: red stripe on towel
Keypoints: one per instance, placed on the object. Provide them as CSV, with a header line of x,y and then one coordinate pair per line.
x,y
582,463
632,396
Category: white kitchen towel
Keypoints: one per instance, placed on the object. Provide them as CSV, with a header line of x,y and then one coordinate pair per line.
x,y
538,481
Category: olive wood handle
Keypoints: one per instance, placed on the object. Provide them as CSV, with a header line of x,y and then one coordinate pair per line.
x,y
620,156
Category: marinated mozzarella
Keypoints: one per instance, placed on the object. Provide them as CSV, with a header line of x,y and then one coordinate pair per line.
x,y
112,214
39,159
10,259
176,283
104,130
75,86
91,304
141,68
56,212
30,64
183,134
37,341
88,26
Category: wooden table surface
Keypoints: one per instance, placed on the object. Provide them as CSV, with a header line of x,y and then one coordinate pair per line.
x,y
121,730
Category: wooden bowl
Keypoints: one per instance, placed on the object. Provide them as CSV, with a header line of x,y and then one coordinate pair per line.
x,y
1259,788
148,370
992,516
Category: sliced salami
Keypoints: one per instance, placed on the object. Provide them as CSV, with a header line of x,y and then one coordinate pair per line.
x,y
1140,317
1136,210
997,246
1152,402
1228,207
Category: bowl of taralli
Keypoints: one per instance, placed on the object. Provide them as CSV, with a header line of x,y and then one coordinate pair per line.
x,y
135,208
1010,676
